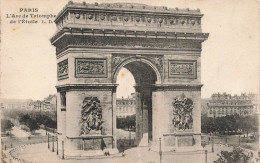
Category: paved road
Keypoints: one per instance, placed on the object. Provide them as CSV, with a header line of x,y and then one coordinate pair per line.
x,y
17,132
21,138
40,153
123,134
231,139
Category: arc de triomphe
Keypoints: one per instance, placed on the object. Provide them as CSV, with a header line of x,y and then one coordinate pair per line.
x,y
161,47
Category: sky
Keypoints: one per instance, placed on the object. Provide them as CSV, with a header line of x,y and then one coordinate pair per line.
x,y
230,57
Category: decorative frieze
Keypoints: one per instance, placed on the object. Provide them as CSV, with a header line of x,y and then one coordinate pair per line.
x,y
90,67
62,70
126,42
182,69
135,20
149,15
182,113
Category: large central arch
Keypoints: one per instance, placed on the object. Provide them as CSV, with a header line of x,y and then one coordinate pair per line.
x,y
161,47
146,75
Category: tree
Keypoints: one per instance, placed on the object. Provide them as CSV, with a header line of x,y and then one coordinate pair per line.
x,y
126,123
32,124
206,124
50,123
24,119
229,124
6,125
235,156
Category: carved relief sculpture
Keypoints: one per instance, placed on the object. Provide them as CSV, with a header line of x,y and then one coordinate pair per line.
x,y
182,113
157,60
91,116
88,67
117,59
182,69
62,70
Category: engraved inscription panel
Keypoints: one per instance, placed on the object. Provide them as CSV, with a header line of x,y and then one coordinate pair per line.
x,y
62,70
182,69
91,67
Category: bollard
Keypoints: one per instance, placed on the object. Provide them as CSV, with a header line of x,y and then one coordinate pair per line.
x,y
57,147
48,142
160,150
52,143
63,150
129,138
5,147
206,156
11,145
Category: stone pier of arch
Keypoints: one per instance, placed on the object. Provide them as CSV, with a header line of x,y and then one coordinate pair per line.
x,y
162,49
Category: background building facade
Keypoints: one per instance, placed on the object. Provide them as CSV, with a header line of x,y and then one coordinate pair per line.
x,y
125,106
224,104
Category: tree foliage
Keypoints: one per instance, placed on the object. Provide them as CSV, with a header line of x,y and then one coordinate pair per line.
x,y
33,125
24,119
126,123
32,119
229,124
236,156
30,122
6,125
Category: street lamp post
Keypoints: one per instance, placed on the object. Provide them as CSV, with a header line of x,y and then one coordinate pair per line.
x,y
212,143
239,140
214,112
206,156
48,141
129,138
160,150
62,149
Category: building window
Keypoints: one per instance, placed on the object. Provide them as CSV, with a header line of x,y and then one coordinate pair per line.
x,y
63,101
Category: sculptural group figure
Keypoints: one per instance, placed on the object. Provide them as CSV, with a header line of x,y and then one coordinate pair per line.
x,y
91,115
182,113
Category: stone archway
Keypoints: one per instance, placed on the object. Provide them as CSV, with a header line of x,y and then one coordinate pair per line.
x,y
160,46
